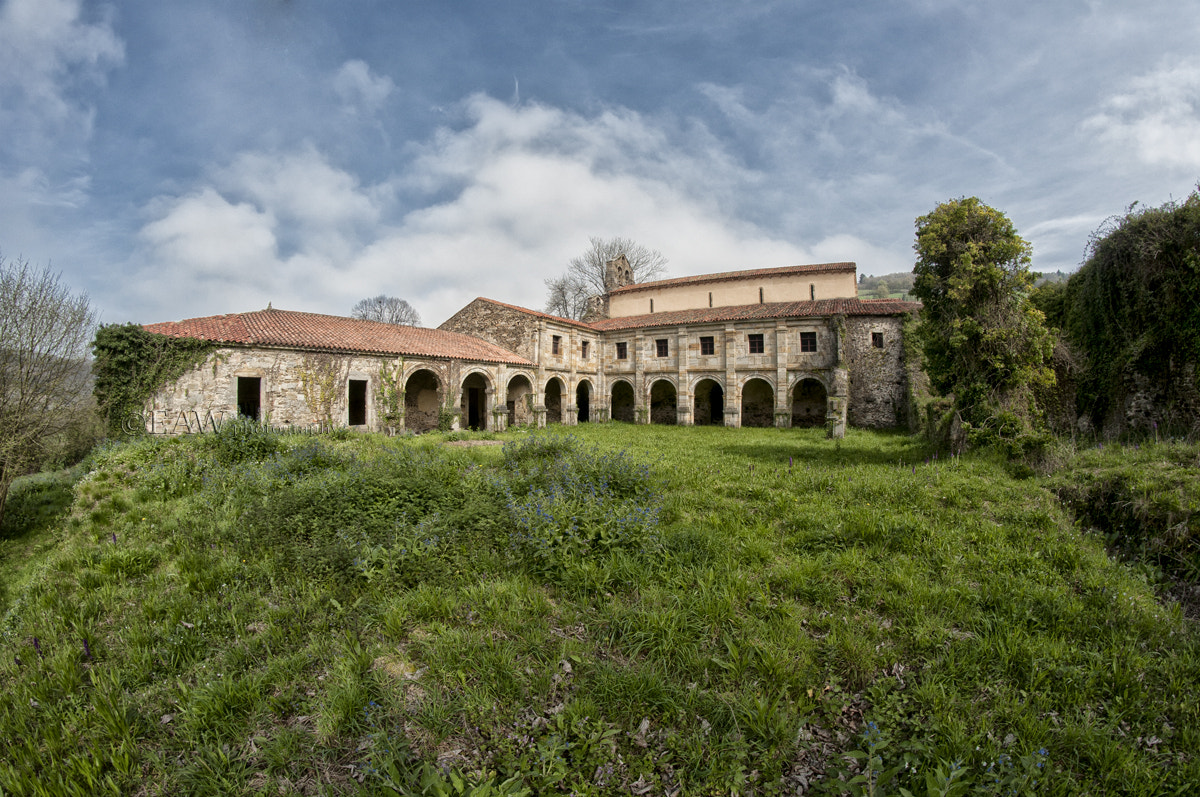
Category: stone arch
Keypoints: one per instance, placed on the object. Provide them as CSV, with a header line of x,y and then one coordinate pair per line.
x,y
583,400
476,387
809,400
554,400
664,400
758,402
520,400
709,407
623,403
422,400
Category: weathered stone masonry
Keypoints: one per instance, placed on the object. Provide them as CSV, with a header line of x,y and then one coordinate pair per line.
x,y
791,363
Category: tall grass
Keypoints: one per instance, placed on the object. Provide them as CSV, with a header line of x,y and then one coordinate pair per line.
x,y
611,610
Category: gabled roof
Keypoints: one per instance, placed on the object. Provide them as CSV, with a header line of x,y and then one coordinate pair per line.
x,y
723,276
758,312
535,313
312,331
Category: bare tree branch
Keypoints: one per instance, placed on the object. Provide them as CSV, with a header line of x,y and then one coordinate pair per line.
x,y
568,295
44,335
388,309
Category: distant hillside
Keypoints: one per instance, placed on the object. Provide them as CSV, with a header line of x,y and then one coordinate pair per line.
x,y
885,286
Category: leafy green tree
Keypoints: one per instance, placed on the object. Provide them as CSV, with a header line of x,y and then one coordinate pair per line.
x,y
984,343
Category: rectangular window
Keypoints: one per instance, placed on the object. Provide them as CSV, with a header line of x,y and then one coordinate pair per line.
x,y
756,344
249,389
707,346
877,340
812,292
622,351
583,349
808,341
652,305
556,345
357,415
660,347
710,298
760,296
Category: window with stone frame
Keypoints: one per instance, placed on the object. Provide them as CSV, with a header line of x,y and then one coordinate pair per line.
x,y
708,345
808,341
622,351
661,348
583,349
877,340
756,343
556,345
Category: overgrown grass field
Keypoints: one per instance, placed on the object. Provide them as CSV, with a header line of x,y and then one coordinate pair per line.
x,y
603,610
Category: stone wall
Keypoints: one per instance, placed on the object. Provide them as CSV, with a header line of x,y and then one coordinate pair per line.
x,y
878,378
504,326
208,394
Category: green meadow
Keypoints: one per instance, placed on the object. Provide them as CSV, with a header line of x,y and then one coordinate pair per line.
x,y
606,609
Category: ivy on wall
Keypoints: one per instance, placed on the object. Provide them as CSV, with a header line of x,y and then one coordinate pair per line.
x,y
131,365
321,375
389,392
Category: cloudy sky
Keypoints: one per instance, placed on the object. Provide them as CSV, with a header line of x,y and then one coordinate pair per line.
x,y
176,158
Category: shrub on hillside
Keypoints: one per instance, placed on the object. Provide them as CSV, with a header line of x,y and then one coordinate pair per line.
x,y
568,502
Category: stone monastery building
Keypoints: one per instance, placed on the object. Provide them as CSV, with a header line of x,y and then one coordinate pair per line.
x,y
791,346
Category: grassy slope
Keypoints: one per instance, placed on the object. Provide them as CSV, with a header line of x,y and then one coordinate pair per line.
x,y
810,599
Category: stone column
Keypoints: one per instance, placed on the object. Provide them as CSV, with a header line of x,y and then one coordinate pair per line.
x,y
733,395
539,389
839,395
684,406
641,403
783,399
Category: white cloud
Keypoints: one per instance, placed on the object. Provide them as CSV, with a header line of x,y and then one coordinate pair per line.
x,y
1157,115
47,53
204,235
358,88
510,197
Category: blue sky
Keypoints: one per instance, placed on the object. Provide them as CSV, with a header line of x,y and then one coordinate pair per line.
x,y
178,158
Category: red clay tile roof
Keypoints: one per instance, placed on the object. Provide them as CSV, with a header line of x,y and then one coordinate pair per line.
x,y
537,313
293,330
757,312
783,271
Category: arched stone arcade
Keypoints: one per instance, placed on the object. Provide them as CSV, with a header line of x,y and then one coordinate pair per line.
x,y
623,402
758,403
664,407
476,401
422,400
709,403
809,403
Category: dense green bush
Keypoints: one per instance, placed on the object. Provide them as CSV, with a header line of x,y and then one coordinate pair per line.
x,y
1131,311
568,502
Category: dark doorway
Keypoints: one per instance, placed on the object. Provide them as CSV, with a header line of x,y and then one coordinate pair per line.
x,y
808,403
474,401
249,396
474,408
758,404
358,402
554,391
663,407
709,404
622,402
582,394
